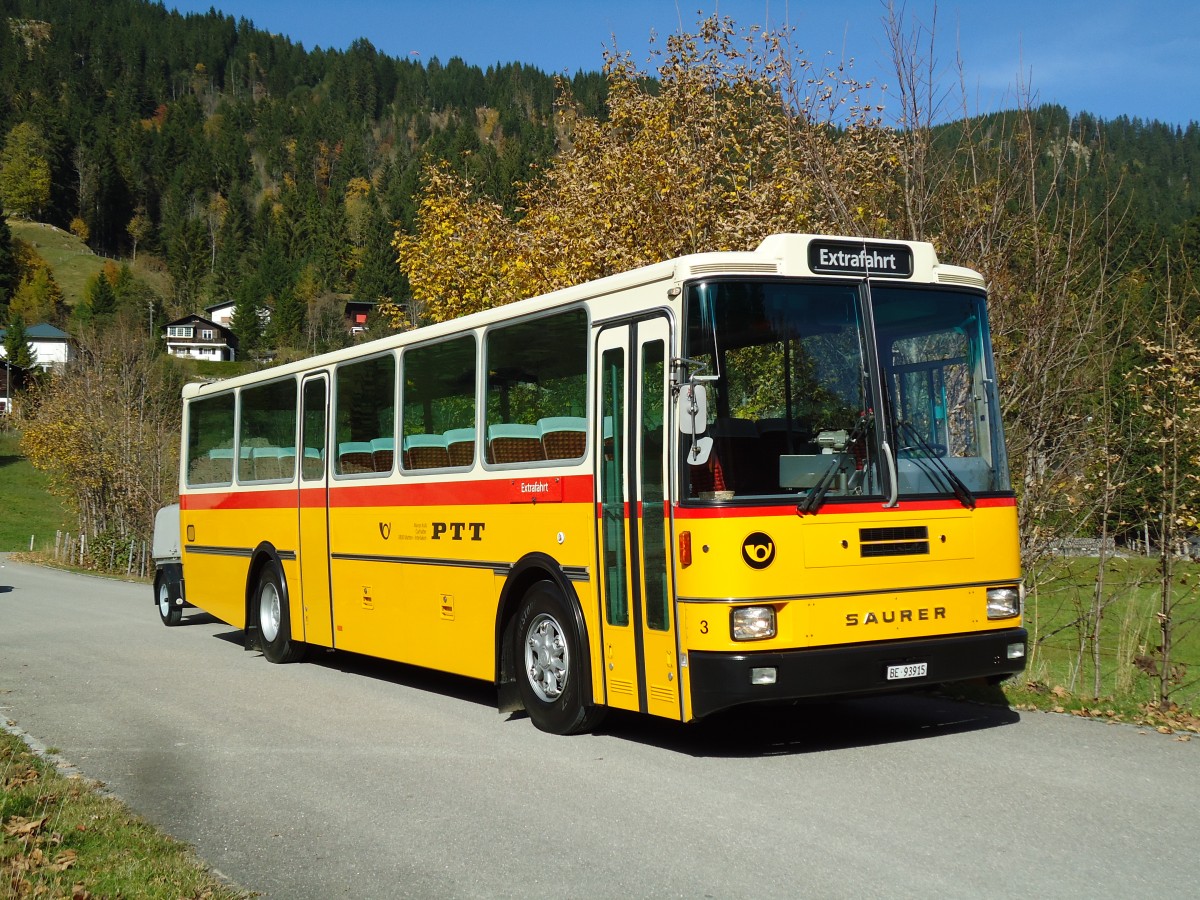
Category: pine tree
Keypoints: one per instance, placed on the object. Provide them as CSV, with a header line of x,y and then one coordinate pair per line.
x,y
17,350
287,327
25,171
246,322
379,276
101,298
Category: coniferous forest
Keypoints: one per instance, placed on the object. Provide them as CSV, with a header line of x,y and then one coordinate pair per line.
x,y
244,165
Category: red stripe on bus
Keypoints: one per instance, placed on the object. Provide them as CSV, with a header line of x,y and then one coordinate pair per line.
x,y
501,491
576,489
836,509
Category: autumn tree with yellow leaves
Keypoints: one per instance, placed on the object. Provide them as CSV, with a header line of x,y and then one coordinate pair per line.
x,y
721,150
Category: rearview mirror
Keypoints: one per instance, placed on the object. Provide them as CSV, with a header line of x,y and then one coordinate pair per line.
x,y
693,409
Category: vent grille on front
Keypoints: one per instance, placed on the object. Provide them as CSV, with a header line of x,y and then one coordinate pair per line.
x,y
735,268
952,278
907,540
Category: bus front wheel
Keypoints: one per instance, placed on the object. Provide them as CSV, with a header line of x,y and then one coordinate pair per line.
x,y
548,654
274,622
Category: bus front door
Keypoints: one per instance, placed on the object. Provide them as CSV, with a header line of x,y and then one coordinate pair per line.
x,y
638,616
314,513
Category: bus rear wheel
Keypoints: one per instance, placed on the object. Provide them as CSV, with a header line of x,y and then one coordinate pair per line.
x,y
548,654
274,622
170,613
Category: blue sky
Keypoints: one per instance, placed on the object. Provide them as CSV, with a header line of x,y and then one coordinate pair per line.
x,y
1107,57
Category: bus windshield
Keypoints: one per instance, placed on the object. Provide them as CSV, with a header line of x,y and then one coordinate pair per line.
x,y
944,410
795,411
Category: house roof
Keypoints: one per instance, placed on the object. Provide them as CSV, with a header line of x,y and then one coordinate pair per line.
x,y
42,331
195,317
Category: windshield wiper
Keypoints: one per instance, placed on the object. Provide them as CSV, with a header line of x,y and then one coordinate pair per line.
x,y
933,464
815,497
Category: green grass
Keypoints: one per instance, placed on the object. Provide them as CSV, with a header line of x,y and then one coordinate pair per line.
x,y
1060,677
28,507
59,837
70,258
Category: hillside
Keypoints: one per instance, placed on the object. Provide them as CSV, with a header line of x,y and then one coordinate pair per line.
x,y
71,260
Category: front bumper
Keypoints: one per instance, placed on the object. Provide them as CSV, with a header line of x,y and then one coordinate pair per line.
x,y
722,680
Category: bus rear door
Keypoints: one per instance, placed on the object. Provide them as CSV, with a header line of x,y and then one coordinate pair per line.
x,y
314,512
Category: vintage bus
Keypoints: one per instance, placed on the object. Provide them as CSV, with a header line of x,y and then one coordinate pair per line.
x,y
723,479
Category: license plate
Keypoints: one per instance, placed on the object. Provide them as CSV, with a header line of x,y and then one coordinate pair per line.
x,y
911,670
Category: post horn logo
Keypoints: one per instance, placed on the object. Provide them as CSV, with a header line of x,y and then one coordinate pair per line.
x,y
758,550
385,530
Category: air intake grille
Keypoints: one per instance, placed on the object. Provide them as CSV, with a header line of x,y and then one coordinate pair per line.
x,y
744,268
953,278
909,540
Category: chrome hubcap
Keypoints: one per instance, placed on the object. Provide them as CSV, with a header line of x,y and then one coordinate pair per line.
x,y
268,612
547,660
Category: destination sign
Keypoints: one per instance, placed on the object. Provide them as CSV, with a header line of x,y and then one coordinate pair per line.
x,y
860,258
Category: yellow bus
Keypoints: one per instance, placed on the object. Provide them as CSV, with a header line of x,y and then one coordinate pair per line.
x,y
727,478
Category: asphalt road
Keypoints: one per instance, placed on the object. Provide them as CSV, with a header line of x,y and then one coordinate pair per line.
x,y
345,777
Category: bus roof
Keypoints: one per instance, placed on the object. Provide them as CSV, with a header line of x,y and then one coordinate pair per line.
x,y
789,255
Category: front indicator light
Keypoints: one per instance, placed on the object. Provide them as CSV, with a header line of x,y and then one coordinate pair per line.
x,y
685,549
1003,602
752,623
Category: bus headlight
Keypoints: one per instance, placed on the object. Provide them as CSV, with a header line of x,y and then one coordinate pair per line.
x,y
752,623
1003,602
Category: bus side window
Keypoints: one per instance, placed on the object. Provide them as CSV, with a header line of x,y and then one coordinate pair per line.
x,y
537,389
365,412
438,407
210,440
268,432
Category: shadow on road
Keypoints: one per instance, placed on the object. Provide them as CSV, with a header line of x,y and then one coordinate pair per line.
x,y
195,617
808,726
814,726
456,686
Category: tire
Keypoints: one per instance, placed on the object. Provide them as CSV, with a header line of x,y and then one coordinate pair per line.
x,y
170,613
273,620
549,661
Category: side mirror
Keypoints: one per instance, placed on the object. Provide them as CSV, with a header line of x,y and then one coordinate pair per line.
x,y
693,409
693,419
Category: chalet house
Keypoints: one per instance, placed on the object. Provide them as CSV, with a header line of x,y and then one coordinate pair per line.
x,y
356,315
200,338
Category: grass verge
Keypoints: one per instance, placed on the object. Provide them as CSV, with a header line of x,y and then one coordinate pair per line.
x,y
59,837
29,507
1061,672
